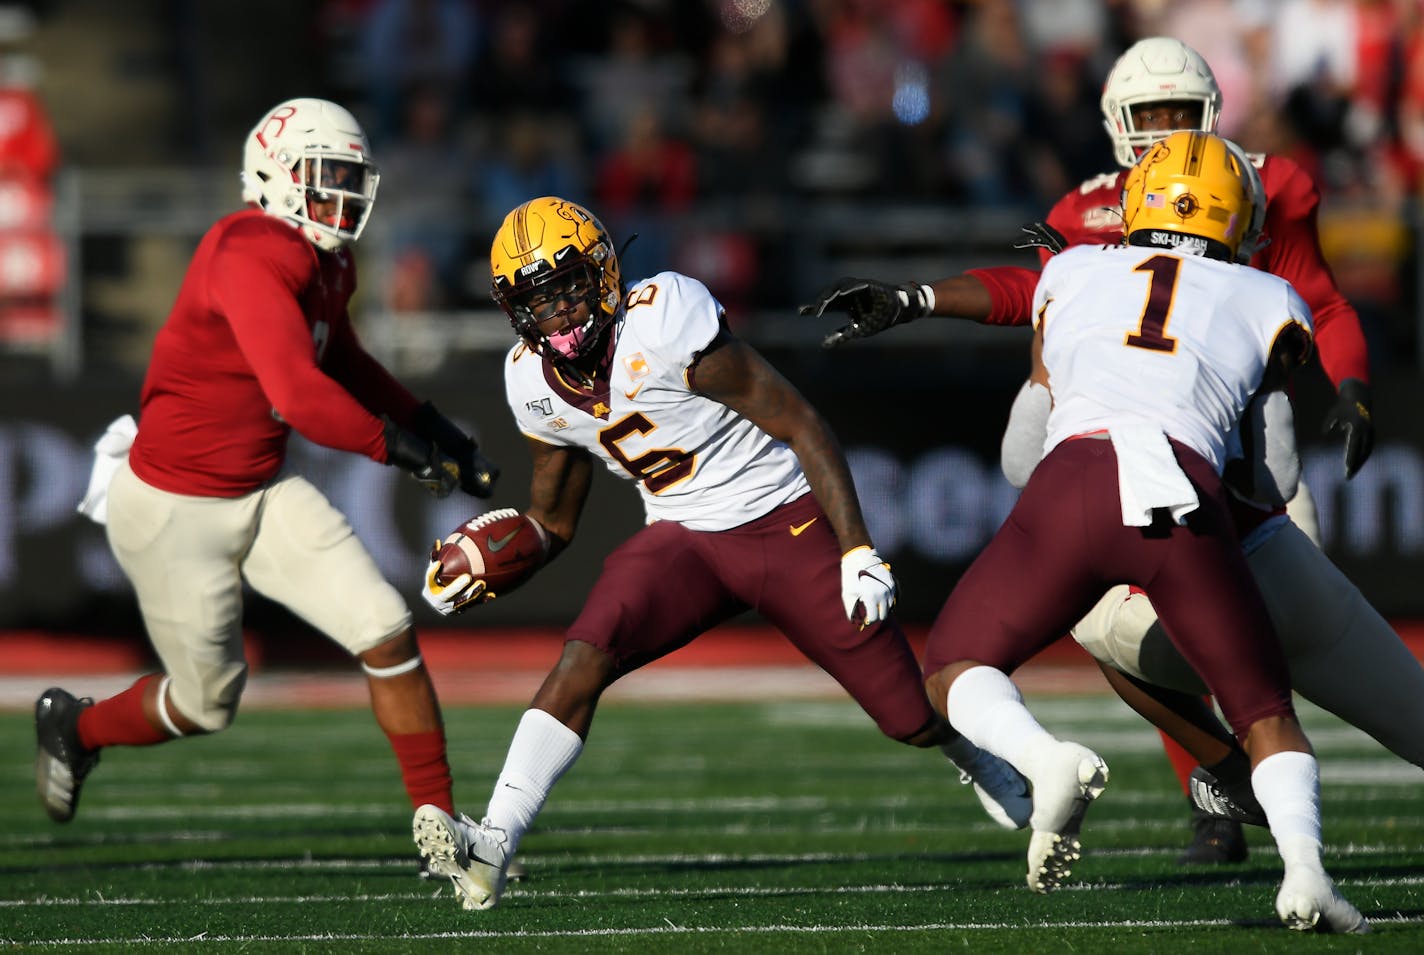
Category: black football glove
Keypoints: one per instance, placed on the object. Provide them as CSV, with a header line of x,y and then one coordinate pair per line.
x,y
1351,416
477,472
872,307
1041,235
436,471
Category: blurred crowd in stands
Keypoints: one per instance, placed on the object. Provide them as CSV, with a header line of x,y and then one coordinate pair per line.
x,y
655,106
728,113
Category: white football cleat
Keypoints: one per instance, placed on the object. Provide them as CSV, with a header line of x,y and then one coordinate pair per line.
x,y
1066,779
1308,901
470,854
516,871
1002,790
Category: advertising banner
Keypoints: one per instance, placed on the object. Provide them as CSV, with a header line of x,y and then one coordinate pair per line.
x,y
923,448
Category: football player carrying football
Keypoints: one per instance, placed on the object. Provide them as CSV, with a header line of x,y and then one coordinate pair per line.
x,y
260,343
749,503
1157,86
1153,349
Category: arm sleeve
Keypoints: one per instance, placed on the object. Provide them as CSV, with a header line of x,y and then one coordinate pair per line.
x,y
257,284
1011,292
1267,447
1295,255
1026,432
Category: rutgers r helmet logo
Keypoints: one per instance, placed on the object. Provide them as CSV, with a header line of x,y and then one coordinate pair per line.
x,y
275,123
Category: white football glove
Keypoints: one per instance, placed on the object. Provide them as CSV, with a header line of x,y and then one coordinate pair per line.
x,y
462,592
867,584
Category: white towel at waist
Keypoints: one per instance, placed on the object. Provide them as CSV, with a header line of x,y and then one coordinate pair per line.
x,y
110,451
1149,477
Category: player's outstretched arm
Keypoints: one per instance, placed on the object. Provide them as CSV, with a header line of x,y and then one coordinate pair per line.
x,y
872,306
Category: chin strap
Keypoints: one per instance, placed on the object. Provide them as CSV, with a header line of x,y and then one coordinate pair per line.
x,y
626,242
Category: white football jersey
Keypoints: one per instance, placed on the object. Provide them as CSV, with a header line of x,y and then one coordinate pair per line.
x,y
1140,337
696,461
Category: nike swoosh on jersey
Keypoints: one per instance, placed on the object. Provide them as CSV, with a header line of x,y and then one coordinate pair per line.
x,y
634,393
495,546
796,529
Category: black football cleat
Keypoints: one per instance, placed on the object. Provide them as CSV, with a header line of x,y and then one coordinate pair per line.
x,y
1215,841
1226,800
61,763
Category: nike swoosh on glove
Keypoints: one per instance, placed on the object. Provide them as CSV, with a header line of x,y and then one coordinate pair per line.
x,y
868,587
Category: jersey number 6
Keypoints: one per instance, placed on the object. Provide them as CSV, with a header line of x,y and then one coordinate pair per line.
x,y
659,468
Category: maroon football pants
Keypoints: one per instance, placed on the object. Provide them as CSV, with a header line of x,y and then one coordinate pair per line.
x,y
666,585
1064,544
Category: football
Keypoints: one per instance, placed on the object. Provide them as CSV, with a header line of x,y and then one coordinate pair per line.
x,y
503,548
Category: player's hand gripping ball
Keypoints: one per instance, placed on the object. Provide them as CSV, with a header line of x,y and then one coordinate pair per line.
x,y
485,557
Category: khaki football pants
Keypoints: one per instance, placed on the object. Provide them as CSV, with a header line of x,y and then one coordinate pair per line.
x,y
187,557
1343,656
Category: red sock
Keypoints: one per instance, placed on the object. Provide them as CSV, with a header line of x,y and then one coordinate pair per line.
x,y
1182,761
119,720
425,770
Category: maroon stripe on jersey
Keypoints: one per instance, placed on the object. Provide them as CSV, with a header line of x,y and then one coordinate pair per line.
x,y
1064,544
666,584
581,398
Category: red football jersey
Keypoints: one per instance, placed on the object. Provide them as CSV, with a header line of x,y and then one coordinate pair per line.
x,y
258,342
1092,214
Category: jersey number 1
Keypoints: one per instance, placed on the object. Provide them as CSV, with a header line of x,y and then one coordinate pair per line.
x,y
1152,326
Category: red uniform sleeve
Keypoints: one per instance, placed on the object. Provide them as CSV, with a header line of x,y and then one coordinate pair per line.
x,y
257,286
367,379
1011,292
1084,216
1294,254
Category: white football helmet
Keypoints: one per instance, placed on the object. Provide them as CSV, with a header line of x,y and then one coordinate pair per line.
x,y
1159,69
307,161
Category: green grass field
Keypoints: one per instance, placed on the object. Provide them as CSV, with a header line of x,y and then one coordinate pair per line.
x,y
775,827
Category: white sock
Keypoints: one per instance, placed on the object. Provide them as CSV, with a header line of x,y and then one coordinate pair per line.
x,y
1287,784
541,751
988,710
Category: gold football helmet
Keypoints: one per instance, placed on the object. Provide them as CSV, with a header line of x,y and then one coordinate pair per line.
x,y
549,257
1191,192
